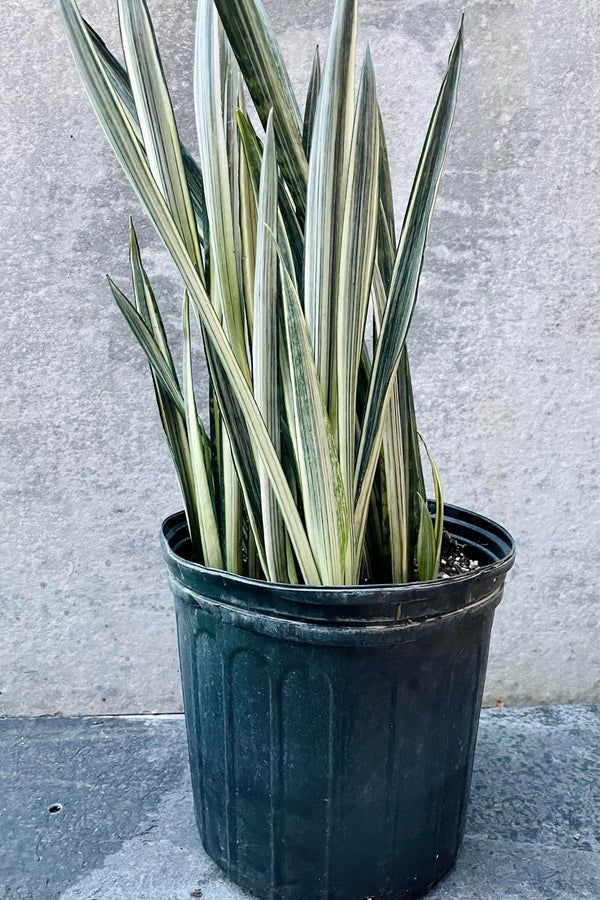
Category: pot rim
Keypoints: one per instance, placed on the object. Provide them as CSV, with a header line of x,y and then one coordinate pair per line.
x,y
454,516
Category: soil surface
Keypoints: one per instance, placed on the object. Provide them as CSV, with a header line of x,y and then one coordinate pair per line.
x,y
453,559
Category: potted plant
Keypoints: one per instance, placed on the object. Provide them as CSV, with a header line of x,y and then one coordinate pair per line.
x,y
333,625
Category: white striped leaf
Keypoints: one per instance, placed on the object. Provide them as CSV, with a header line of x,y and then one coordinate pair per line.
x,y
145,300
312,96
394,476
215,172
411,461
114,120
248,227
227,68
429,543
356,259
160,366
403,476
288,222
404,283
172,421
322,491
156,119
265,350
119,80
237,435
209,530
331,137
259,58
425,544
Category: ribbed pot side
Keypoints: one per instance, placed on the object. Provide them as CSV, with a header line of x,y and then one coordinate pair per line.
x,y
331,732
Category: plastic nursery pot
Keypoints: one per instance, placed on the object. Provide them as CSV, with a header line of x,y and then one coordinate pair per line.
x,y
331,731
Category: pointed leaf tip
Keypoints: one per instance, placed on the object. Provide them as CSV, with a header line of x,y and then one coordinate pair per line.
x,y
367,66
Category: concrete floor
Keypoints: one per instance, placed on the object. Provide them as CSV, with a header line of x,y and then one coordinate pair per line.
x,y
101,809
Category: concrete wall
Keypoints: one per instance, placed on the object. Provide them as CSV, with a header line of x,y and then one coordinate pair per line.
x,y
504,343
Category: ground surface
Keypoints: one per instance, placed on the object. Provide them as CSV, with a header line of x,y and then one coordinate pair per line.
x,y
123,826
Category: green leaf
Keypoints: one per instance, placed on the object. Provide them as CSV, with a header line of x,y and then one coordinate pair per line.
x,y
429,543
323,498
259,58
288,223
113,118
312,97
211,547
439,504
426,545
248,227
159,364
412,466
385,186
156,119
404,283
327,170
145,301
356,255
172,421
215,170
265,350
119,80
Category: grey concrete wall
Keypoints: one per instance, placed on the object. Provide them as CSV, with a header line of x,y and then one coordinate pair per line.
x,y
504,343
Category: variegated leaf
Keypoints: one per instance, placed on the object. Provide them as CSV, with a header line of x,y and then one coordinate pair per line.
x,y
356,259
258,55
265,350
156,119
330,150
404,282
110,111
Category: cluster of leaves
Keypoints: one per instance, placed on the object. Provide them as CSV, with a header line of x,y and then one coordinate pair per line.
x,y
310,470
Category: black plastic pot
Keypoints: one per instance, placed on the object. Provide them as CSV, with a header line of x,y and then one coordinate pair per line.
x,y
331,731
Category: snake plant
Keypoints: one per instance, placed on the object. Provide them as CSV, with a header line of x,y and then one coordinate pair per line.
x,y
308,469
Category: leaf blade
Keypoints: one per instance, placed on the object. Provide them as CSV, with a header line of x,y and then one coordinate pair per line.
x,y
156,118
260,60
112,116
265,349
205,501
312,96
119,80
326,188
405,278
323,497
172,420
438,528
215,171
152,350
356,260
425,544
288,222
